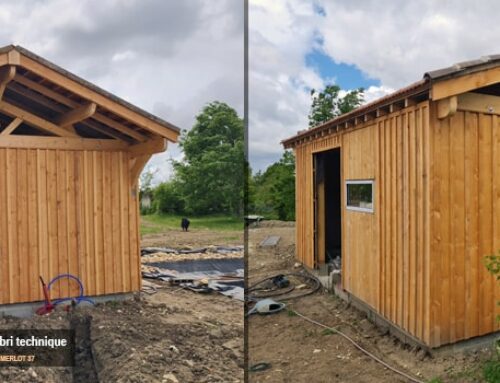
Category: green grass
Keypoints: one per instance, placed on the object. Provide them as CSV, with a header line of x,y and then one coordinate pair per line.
x,y
152,224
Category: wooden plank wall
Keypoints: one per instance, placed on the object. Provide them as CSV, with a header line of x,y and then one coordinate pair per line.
x,y
304,212
385,254
465,197
403,219
66,212
360,255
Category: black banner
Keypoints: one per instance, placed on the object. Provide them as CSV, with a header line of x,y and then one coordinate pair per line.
x,y
32,348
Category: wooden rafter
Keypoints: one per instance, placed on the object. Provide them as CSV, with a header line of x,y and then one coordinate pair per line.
x,y
12,126
73,104
7,73
76,115
49,103
90,94
39,122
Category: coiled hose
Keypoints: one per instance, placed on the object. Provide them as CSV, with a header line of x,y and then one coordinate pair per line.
x,y
77,299
256,292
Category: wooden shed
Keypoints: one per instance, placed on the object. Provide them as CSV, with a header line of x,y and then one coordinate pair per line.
x,y
70,157
404,192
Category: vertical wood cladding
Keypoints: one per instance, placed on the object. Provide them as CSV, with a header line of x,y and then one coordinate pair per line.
x,y
65,211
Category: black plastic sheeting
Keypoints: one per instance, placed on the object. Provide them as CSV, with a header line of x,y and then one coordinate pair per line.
x,y
168,250
205,268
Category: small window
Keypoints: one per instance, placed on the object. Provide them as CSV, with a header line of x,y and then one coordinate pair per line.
x,y
359,195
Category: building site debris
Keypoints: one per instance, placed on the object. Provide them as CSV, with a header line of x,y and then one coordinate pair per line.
x,y
266,307
280,285
262,366
224,276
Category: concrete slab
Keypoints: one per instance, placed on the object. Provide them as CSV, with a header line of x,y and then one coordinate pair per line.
x,y
271,240
27,310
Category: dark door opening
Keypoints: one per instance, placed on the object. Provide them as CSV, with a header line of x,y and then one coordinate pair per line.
x,y
327,209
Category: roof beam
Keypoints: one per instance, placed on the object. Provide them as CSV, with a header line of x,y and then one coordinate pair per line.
x,y
476,102
12,126
38,122
116,125
76,115
49,103
84,92
149,147
447,107
73,104
65,143
453,86
7,73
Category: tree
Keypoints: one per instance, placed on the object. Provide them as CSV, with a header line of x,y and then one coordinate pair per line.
x,y
211,176
329,104
274,190
168,198
146,189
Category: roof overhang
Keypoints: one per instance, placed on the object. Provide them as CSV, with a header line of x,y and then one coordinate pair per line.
x,y
65,105
442,85
402,98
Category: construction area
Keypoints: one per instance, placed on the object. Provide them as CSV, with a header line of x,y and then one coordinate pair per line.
x,y
165,308
286,347
167,333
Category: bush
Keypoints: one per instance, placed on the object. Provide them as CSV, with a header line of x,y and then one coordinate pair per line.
x,y
167,198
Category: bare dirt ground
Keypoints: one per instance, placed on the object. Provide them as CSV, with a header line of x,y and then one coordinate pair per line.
x,y
299,351
172,336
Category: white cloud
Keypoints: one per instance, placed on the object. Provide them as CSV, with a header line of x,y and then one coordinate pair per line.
x,y
168,57
280,35
397,42
392,41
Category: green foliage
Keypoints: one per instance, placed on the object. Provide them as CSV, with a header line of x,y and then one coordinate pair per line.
x,y
435,380
491,371
492,263
211,176
329,104
156,223
168,199
272,193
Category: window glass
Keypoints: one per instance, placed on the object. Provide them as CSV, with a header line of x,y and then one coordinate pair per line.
x,y
360,195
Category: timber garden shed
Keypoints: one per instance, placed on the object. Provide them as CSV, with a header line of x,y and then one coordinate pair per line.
x,y
404,193
70,157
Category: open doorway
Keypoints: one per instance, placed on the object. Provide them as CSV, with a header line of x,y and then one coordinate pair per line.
x,y
327,210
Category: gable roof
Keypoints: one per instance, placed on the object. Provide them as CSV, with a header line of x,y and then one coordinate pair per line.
x,y
52,92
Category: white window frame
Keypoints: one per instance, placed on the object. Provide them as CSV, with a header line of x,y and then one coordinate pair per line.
x,y
360,182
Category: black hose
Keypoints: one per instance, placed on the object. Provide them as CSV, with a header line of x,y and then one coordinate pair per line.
x,y
258,293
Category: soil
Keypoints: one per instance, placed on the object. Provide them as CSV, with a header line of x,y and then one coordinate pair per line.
x,y
299,351
171,336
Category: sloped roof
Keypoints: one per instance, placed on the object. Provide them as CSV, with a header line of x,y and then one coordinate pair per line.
x,y
38,78
418,89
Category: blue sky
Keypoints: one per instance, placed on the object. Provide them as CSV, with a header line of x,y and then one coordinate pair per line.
x,y
344,75
299,45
